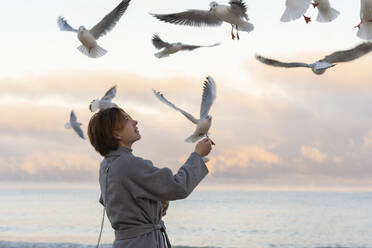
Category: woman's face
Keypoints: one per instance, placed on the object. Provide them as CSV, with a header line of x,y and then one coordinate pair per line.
x,y
129,133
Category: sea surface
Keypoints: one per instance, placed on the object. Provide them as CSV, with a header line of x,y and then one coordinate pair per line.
x,y
69,216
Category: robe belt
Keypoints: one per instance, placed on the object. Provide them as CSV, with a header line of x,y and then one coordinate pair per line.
x,y
139,230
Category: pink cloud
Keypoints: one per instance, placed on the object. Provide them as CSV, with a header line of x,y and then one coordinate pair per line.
x,y
258,136
314,154
243,156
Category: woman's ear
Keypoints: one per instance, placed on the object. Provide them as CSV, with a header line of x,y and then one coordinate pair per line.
x,y
116,135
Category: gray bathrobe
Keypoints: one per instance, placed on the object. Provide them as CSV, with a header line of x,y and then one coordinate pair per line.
x,y
131,190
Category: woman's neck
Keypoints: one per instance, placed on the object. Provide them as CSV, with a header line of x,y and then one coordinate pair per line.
x,y
126,145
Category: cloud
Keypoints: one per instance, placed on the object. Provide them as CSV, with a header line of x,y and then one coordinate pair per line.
x,y
314,154
258,136
367,139
243,156
51,166
80,87
337,159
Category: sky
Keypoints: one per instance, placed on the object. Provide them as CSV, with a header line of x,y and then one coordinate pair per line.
x,y
273,127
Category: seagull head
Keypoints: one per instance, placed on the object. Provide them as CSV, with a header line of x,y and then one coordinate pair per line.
x,y
213,5
321,66
82,28
318,71
209,117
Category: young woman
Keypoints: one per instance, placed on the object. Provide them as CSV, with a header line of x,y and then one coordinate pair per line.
x,y
132,188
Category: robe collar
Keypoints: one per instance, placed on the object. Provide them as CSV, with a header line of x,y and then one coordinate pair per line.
x,y
118,152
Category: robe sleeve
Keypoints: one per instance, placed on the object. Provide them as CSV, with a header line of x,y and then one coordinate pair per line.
x,y
160,184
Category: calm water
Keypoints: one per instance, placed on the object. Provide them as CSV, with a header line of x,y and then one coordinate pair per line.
x,y
43,216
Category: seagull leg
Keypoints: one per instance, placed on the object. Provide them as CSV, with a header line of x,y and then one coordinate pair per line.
x,y
307,19
232,33
237,34
358,26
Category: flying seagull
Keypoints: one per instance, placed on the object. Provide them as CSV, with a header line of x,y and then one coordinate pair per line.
x,y
204,122
88,38
235,13
105,101
365,25
320,66
74,124
170,48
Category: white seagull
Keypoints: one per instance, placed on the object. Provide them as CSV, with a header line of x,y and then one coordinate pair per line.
x,y
170,48
105,101
204,122
326,12
74,124
88,38
295,9
235,13
365,25
320,66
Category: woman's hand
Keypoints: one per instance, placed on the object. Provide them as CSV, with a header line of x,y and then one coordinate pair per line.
x,y
203,147
164,205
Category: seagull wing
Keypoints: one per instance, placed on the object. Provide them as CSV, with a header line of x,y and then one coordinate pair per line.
x,y
75,125
73,118
110,94
192,47
110,20
208,97
365,8
64,26
78,130
159,43
191,17
348,55
239,8
280,64
161,97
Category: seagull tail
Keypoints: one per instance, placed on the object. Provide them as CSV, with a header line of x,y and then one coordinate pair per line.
x,y
67,125
246,26
161,55
93,106
365,31
192,139
327,16
94,52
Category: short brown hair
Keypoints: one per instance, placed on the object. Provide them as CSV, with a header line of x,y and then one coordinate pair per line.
x,y
101,127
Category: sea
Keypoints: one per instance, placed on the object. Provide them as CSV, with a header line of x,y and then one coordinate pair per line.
x,y
69,216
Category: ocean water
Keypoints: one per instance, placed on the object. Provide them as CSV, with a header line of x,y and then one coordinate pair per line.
x,y
69,217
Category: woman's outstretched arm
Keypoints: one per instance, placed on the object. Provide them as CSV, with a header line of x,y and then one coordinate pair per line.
x,y
160,183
